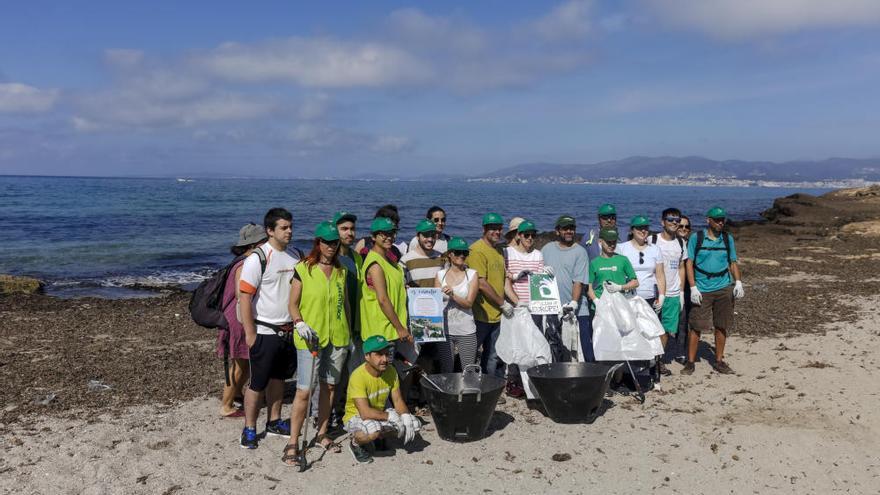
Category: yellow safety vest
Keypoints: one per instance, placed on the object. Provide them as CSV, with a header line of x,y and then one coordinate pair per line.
x,y
373,320
322,305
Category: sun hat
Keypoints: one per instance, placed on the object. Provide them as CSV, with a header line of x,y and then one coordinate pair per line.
x,y
609,234
639,221
382,224
565,221
326,231
457,244
251,234
526,226
340,216
716,212
424,226
492,219
514,224
607,209
375,343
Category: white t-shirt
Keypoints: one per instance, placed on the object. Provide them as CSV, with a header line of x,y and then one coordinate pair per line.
x,y
459,321
673,256
518,261
272,288
644,266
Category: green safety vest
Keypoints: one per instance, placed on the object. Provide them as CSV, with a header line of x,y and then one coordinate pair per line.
x,y
322,305
373,320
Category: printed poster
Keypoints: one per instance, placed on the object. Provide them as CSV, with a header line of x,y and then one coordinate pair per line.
x,y
544,295
425,306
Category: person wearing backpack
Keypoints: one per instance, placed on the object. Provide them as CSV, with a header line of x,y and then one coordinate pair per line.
x,y
714,278
674,254
265,294
231,345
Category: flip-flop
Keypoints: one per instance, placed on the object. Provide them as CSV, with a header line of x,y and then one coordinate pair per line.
x,y
239,413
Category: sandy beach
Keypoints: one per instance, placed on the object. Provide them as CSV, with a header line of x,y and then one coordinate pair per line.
x,y
801,414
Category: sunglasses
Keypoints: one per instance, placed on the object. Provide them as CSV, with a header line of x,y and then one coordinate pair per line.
x,y
719,220
460,253
494,226
439,220
528,235
387,233
684,227
641,258
330,243
643,227
673,219
607,217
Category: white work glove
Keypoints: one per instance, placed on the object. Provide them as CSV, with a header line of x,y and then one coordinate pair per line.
x,y
306,332
412,426
395,420
681,301
548,270
520,274
612,287
507,309
696,296
738,291
658,304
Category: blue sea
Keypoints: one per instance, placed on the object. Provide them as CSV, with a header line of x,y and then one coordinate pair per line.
x,y
114,237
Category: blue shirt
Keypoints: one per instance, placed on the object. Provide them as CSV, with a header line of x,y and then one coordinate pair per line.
x,y
711,261
569,265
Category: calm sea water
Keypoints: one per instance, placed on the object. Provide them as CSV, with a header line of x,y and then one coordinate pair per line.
x,y
104,236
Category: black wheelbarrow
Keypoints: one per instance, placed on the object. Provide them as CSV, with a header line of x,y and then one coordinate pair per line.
x,y
462,404
572,392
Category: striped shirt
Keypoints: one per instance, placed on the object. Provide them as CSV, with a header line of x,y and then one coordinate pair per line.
x,y
421,269
517,262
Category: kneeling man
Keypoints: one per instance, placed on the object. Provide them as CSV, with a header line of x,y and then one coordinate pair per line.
x,y
368,389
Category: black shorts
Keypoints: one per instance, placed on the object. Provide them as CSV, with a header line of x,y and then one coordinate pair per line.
x,y
271,358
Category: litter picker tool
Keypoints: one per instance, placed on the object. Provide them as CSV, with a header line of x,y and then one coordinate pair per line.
x,y
304,446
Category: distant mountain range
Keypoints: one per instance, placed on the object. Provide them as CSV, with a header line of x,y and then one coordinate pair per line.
x,y
692,167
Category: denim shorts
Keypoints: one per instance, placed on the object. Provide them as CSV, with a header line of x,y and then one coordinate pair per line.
x,y
329,367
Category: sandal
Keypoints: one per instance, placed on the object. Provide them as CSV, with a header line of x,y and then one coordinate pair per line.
x,y
287,457
329,446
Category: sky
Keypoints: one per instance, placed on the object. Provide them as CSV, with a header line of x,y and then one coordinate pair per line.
x,y
308,89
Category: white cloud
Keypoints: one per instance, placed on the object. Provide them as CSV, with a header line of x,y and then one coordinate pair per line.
x,y
124,58
744,18
391,144
21,98
570,20
315,62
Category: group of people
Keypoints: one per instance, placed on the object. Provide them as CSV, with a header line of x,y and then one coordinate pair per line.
x,y
337,315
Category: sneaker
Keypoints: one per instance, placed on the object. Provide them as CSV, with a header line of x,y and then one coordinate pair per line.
x,y
278,428
249,438
723,368
688,369
359,453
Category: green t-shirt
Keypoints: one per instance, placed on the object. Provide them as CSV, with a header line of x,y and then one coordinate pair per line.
x,y
363,385
615,269
489,264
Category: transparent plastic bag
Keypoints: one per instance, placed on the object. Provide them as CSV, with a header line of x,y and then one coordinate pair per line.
x,y
521,342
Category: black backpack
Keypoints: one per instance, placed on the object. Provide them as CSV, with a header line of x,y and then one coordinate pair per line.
x,y
206,303
680,244
726,240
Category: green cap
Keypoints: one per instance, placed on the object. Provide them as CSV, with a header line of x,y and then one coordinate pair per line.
x,y
327,231
565,221
716,212
492,219
526,226
375,343
426,226
341,216
609,234
607,209
457,244
382,224
639,221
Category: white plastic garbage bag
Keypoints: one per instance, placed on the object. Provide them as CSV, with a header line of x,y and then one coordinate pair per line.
x,y
520,342
612,344
571,336
619,309
646,319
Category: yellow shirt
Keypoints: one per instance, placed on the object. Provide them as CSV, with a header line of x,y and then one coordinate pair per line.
x,y
489,264
376,389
